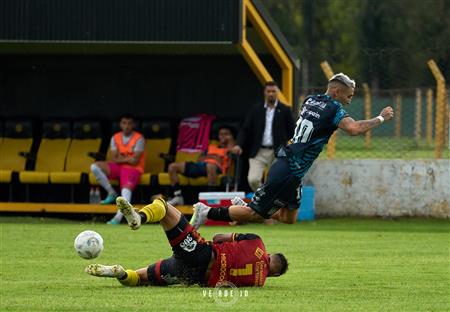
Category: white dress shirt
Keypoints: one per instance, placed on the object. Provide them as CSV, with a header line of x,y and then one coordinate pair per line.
x,y
267,136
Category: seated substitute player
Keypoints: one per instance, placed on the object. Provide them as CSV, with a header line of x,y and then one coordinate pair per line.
x,y
214,162
240,259
127,164
279,197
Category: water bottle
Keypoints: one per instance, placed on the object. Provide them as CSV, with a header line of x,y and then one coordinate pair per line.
x,y
97,197
92,196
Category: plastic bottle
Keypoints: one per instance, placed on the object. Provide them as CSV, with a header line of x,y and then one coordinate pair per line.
x,y
97,197
92,196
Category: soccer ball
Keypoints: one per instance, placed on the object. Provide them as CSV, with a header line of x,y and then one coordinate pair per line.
x,y
88,244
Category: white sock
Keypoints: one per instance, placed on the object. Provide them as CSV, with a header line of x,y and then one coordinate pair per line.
x,y
125,193
102,179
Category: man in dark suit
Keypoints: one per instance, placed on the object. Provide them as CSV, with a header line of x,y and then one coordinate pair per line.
x,y
266,127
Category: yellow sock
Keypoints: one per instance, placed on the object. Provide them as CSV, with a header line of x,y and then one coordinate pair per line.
x,y
131,280
155,211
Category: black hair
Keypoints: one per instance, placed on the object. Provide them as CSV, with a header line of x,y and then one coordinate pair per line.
x,y
271,84
127,116
229,128
283,263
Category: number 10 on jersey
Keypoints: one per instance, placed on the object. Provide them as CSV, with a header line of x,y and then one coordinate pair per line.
x,y
303,131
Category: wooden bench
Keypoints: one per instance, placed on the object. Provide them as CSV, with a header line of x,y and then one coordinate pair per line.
x,y
70,208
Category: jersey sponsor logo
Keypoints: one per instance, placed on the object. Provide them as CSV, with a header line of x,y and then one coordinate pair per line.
x,y
259,253
188,243
259,272
260,192
311,113
313,102
223,267
306,111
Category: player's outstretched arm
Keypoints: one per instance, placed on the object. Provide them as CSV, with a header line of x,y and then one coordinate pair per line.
x,y
233,237
223,237
357,127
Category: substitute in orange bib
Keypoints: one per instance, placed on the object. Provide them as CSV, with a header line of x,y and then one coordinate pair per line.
x,y
237,259
215,161
127,164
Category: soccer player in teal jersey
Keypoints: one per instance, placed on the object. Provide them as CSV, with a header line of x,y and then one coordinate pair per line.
x,y
279,198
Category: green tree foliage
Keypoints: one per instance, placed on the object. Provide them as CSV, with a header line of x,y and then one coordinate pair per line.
x,y
383,42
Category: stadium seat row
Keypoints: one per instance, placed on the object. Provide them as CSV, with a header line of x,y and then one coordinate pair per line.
x,y
66,149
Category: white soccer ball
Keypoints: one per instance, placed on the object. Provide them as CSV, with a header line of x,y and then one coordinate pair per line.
x,y
88,244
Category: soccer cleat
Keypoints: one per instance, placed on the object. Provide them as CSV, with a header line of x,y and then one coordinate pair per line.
x,y
113,222
133,218
176,201
101,270
110,199
200,215
237,201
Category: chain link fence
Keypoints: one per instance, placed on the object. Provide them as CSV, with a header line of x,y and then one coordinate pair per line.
x,y
420,129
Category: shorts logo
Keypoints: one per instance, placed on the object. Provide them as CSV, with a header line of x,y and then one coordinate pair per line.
x,y
188,243
260,192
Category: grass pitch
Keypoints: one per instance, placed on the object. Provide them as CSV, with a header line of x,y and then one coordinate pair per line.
x,y
335,265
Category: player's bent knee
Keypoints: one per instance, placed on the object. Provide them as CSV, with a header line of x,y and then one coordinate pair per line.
x,y
100,166
211,168
172,167
289,221
288,216
94,167
255,217
176,167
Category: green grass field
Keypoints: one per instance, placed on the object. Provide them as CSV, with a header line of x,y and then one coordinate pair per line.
x,y
335,265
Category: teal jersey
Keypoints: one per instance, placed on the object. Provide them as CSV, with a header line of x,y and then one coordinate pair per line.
x,y
319,118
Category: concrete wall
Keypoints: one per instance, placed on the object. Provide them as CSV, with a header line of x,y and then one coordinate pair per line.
x,y
381,187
